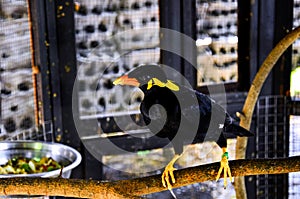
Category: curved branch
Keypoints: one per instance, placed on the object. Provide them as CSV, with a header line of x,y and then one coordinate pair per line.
x,y
141,186
246,116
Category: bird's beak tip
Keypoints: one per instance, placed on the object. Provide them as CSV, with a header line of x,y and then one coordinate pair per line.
x,y
116,81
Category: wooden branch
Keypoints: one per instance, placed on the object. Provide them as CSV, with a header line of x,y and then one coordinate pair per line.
x,y
136,187
60,187
246,116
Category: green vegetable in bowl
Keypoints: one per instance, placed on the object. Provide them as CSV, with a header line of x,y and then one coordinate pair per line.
x,y
21,165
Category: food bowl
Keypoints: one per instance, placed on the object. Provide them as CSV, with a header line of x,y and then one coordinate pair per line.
x,y
68,157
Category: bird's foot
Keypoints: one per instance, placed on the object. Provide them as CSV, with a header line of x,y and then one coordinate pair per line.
x,y
226,168
167,174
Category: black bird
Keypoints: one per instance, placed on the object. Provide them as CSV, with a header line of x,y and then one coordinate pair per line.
x,y
181,114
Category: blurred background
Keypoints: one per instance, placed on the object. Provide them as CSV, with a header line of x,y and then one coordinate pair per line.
x,y
58,60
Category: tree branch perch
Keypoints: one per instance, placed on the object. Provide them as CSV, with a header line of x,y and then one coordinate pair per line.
x,y
134,188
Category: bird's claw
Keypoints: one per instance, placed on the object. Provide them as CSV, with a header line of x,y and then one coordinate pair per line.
x,y
226,168
167,174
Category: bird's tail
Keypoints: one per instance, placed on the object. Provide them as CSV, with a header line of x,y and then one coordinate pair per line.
x,y
233,130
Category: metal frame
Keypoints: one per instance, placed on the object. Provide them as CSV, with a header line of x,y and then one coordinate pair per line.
x,y
183,20
54,56
244,50
267,29
40,62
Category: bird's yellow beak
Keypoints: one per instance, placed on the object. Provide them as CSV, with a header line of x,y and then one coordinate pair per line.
x,y
125,80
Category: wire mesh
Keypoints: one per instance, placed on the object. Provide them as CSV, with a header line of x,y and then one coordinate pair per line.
x,y
271,142
294,150
112,37
294,178
17,98
216,41
295,86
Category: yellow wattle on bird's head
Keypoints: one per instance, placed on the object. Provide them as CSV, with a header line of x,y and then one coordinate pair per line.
x,y
156,82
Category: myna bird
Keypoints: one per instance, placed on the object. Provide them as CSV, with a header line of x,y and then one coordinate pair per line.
x,y
179,113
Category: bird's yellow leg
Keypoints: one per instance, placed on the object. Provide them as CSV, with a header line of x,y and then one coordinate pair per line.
x,y
224,166
168,173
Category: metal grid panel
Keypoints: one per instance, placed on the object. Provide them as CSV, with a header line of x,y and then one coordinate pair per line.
x,y
17,100
112,37
271,142
216,41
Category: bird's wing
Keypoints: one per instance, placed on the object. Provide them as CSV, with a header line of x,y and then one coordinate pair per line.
x,y
211,116
194,105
